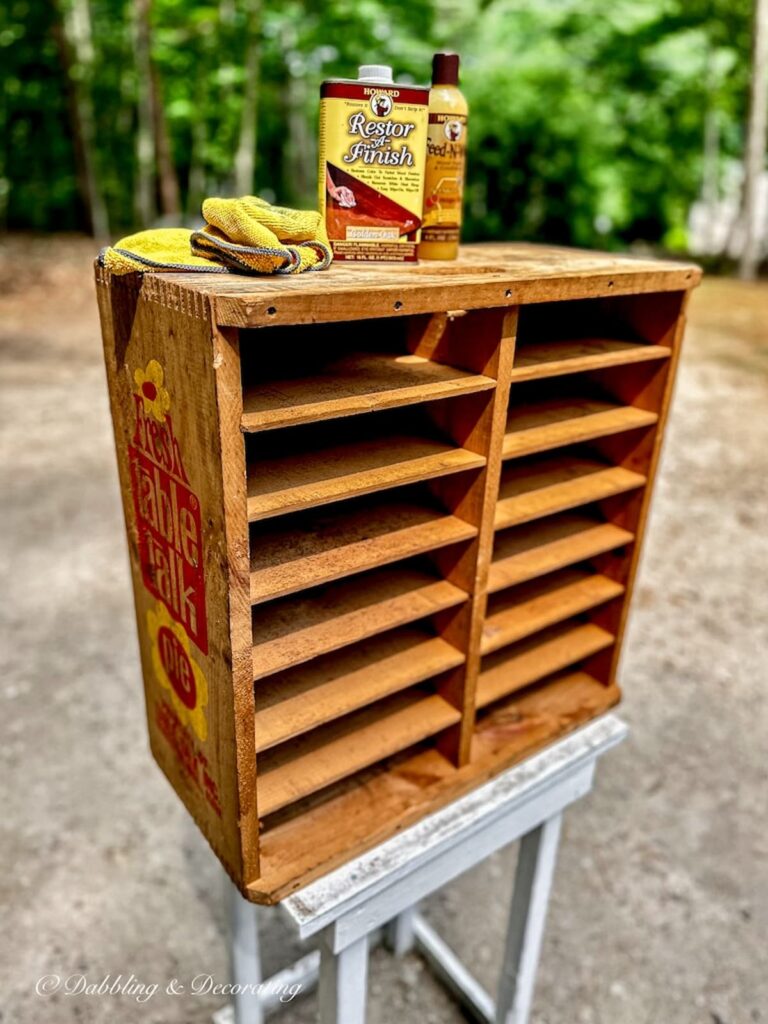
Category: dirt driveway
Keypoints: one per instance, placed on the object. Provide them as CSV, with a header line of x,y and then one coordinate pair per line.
x,y
660,914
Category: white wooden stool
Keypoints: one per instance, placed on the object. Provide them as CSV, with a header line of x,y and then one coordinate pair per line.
x,y
383,887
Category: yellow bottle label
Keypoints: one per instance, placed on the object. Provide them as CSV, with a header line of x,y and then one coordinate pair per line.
x,y
444,180
371,181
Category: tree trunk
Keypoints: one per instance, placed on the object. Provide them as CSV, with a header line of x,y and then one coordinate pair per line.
x,y
75,42
196,188
710,177
245,157
302,151
168,180
146,211
754,149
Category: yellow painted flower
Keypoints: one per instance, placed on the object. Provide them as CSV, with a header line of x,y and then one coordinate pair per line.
x,y
176,669
149,388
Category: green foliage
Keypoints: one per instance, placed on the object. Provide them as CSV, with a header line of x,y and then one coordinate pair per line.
x,y
586,127
33,123
589,129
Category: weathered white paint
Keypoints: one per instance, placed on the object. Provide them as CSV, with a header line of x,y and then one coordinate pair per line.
x,y
325,900
527,916
344,983
453,858
399,933
263,995
349,906
246,959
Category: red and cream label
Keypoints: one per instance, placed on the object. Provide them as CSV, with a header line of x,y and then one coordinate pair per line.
x,y
170,553
177,671
167,510
170,545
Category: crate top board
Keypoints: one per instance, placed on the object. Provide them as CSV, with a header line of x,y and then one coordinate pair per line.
x,y
486,275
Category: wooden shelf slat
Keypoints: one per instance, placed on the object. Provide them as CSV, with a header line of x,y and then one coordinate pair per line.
x,y
541,547
293,630
556,422
306,479
541,712
355,383
322,547
335,751
294,702
562,356
530,607
555,484
540,656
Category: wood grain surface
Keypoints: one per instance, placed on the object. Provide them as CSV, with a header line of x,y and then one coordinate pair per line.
x,y
487,275
420,535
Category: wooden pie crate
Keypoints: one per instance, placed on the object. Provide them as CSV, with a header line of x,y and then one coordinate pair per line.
x,y
383,527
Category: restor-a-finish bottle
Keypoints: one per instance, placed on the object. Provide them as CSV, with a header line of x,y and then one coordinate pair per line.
x,y
372,149
446,158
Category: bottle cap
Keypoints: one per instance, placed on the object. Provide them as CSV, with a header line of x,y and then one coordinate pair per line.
x,y
445,69
375,73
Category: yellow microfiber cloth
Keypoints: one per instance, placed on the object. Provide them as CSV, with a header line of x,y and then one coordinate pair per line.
x,y
247,235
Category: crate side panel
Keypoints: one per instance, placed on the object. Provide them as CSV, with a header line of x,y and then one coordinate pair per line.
x,y
162,386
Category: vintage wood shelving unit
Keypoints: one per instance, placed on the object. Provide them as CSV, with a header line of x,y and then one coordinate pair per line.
x,y
383,525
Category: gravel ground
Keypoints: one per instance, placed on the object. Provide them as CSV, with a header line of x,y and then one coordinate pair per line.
x,y
660,908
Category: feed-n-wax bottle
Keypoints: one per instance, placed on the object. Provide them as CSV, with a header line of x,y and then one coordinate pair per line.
x,y
446,157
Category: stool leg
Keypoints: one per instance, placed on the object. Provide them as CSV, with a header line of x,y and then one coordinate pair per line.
x,y
533,881
246,960
343,982
400,933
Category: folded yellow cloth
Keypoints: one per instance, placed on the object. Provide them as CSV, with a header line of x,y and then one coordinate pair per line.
x,y
247,235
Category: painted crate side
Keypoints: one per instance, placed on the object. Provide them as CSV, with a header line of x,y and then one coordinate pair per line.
x,y
168,370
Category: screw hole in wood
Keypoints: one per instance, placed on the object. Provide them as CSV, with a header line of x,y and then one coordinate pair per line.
x,y
398,304
508,293
271,310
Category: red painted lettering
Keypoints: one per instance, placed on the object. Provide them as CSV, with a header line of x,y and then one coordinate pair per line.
x,y
168,525
177,666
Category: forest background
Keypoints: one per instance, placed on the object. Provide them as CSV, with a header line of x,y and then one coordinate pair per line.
x,y
593,124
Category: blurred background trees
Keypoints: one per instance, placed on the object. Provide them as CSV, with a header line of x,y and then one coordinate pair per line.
x,y
591,123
